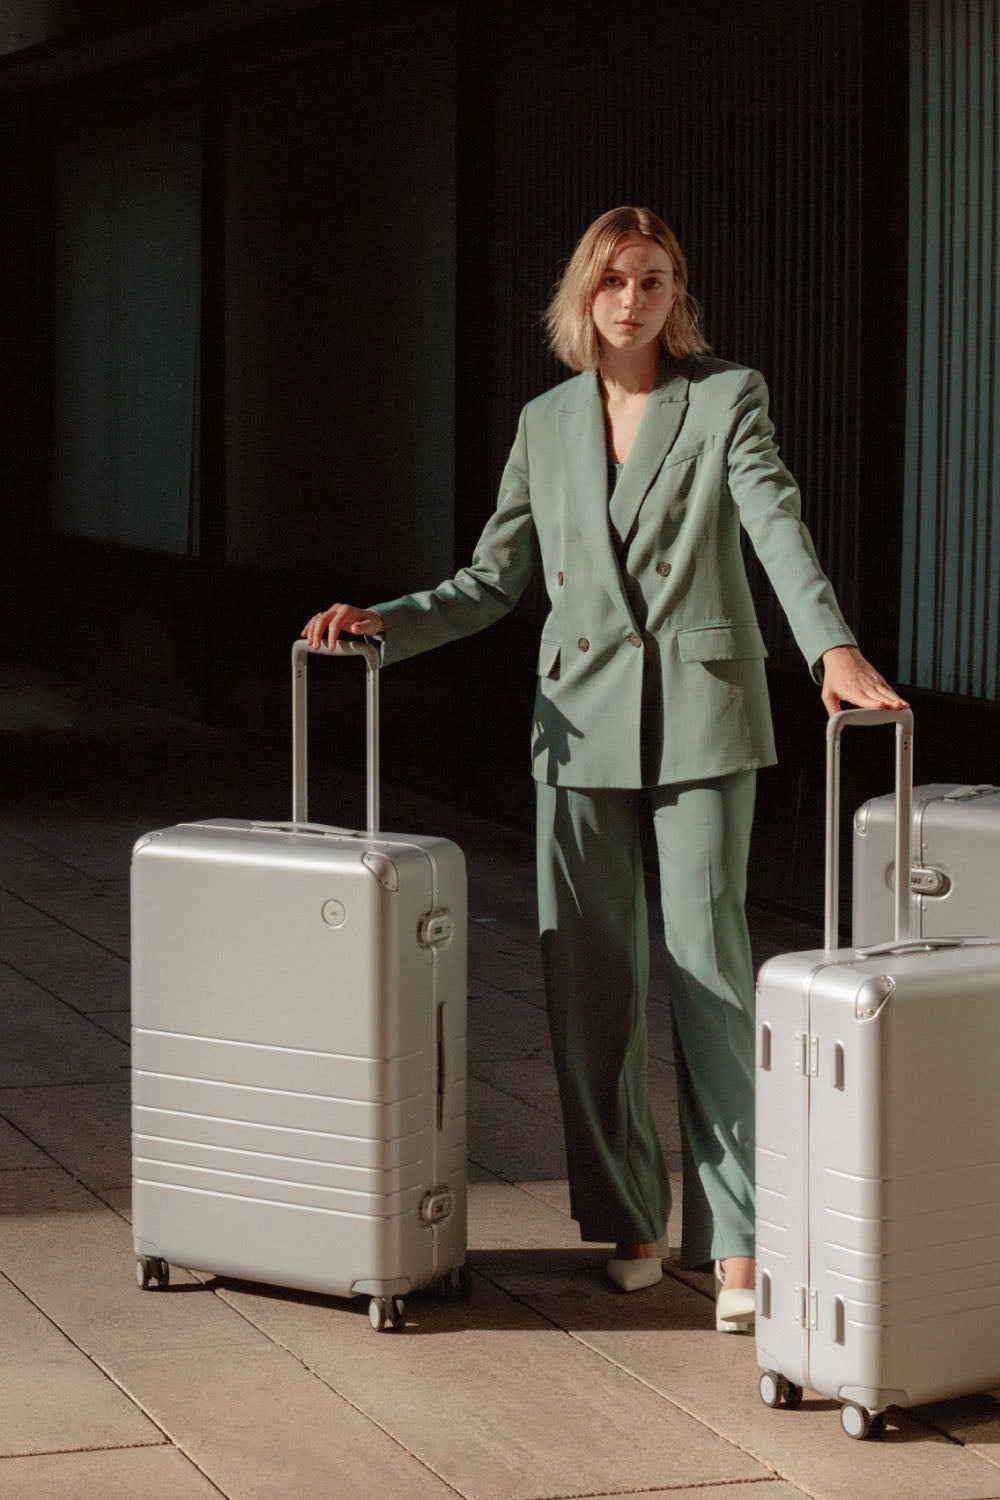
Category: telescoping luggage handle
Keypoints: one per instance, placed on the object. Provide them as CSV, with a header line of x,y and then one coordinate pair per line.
x,y
903,720
301,651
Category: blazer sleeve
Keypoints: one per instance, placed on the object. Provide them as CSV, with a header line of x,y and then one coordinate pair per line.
x,y
770,510
505,557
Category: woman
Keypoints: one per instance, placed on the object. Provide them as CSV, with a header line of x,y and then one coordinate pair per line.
x,y
627,485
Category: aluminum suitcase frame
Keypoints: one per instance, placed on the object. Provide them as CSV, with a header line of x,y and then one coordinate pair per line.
x,y
955,874
298,1028
878,1157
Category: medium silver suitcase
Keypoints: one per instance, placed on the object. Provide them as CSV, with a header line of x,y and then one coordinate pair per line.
x,y
298,1034
955,876
878,1157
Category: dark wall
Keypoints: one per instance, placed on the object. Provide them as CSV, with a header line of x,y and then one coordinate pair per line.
x,y
386,197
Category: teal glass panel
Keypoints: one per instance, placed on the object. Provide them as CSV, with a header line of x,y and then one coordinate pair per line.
x,y
127,211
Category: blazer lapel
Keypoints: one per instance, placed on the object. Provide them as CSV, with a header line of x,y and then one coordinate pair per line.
x,y
662,418
585,458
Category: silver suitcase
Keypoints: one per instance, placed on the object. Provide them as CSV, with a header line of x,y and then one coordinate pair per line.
x,y
955,876
298,1034
878,1157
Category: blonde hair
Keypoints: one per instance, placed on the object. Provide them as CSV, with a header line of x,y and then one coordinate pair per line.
x,y
570,327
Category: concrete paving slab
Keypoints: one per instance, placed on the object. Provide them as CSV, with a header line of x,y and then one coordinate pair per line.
x,y
661,1041
44,1041
973,1421
117,1023
501,1214
503,1025
16,914
16,1151
502,892
767,1488
113,1474
72,1256
98,910
51,1396
508,963
84,1127
511,1138
499,1402
666,1338
119,1200
73,968
263,1426
98,848
531,1080
29,870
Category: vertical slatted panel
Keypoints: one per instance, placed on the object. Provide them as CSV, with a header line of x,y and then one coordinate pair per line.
x,y
742,128
950,595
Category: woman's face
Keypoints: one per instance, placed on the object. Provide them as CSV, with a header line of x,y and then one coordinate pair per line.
x,y
634,295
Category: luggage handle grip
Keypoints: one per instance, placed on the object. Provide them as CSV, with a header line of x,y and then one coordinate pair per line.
x,y
837,723
301,650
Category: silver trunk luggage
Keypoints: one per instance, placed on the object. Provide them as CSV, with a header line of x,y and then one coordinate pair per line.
x,y
878,1157
298,1034
955,877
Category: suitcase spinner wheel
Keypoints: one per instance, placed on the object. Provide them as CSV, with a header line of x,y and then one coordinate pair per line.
x,y
776,1390
149,1269
387,1314
860,1423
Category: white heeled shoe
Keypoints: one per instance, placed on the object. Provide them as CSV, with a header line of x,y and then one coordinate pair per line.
x,y
633,1275
735,1307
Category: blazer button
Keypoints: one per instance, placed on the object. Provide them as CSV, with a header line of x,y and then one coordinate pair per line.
x,y
663,568
583,643
560,580
635,640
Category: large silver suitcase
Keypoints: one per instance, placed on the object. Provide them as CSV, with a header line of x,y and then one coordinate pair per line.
x,y
955,876
878,1157
298,1034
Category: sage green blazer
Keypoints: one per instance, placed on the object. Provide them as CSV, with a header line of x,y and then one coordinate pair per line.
x,y
651,660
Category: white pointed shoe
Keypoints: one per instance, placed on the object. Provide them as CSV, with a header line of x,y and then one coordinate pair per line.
x,y
735,1307
633,1275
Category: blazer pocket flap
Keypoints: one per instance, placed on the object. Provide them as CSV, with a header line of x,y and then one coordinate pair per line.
x,y
548,658
725,642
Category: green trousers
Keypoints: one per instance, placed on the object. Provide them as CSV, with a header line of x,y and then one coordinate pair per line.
x,y
595,952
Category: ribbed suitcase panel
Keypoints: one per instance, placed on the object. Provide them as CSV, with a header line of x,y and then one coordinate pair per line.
x,y
897,1279
169,1123
299,1055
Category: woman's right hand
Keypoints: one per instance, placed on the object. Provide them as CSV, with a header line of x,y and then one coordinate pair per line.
x,y
330,622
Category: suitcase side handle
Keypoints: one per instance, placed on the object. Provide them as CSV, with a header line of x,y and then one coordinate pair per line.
x,y
301,651
838,722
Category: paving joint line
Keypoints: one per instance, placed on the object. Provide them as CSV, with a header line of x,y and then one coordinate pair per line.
x,y
112,1378
640,1380
328,1385
58,922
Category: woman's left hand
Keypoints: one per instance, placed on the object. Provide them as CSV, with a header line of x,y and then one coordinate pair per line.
x,y
848,678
